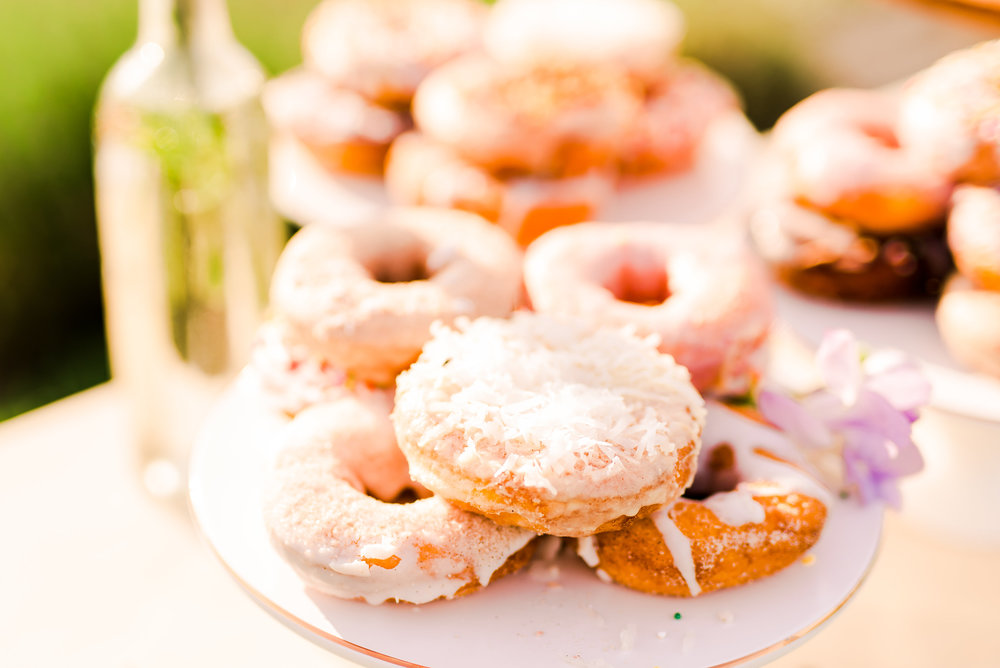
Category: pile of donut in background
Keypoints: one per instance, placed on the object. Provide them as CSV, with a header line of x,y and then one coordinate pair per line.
x,y
526,113
878,195
477,366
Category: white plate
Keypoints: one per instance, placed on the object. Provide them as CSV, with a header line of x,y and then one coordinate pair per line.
x,y
541,616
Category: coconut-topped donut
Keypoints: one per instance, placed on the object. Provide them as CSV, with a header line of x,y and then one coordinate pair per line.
x,y
641,37
328,513
384,48
757,514
548,424
363,297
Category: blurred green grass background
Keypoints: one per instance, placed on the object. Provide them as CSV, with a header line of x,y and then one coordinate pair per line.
x,y
53,55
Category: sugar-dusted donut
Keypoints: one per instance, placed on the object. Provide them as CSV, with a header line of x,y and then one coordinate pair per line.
x,y
843,157
679,108
384,48
950,112
341,128
639,37
706,298
363,296
974,234
328,514
833,259
420,170
546,424
550,120
764,524
968,319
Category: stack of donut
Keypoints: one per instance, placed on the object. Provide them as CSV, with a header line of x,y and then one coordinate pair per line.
x,y
435,429
565,97
968,313
363,59
877,195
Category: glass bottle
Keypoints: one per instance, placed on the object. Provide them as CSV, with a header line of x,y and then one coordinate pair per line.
x,y
187,236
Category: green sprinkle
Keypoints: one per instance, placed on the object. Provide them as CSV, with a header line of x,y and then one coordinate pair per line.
x,y
677,615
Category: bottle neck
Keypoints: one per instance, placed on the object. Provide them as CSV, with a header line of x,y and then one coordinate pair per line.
x,y
184,22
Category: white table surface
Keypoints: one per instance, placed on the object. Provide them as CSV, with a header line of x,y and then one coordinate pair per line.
x,y
95,573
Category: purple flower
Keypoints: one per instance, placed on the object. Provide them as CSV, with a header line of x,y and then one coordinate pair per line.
x,y
864,410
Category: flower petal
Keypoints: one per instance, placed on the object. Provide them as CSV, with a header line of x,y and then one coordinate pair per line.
x,y
838,360
793,419
897,378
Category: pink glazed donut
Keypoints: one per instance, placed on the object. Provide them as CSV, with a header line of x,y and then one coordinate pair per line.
x,y
843,157
950,115
328,513
974,234
708,302
969,321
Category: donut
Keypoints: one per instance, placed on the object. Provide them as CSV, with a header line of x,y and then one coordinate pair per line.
x,y
730,537
833,259
678,111
843,157
950,114
550,120
339,127
384,48
546,424
420,170
638,37
328,513
291,376
974,234
707,302
363,297
968,319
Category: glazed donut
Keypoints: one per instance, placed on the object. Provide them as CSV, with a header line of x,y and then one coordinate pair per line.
x,y
363,297
974,234
729,538
708,302
546,424
551,120
339,127
843,157
420,170
384,48
679,109
820,256
639,37
348,543
968,319
292,377
950,112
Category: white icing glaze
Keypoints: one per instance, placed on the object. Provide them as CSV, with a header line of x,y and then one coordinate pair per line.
x,y
680,548
735,508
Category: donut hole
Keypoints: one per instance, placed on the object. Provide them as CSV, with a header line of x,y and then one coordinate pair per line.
x,y
413,269
638,276
717,472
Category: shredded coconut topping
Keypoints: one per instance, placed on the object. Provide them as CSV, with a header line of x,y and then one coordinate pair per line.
x,y
551,405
